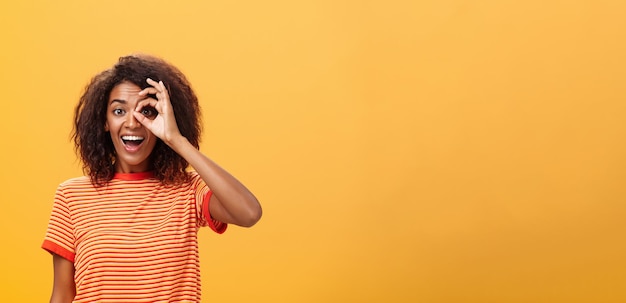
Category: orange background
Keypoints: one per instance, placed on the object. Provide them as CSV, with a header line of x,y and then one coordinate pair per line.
x,y
403,151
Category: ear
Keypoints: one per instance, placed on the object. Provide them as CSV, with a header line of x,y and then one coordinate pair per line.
x,y
106,126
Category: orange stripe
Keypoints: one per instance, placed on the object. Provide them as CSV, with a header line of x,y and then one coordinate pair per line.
x,y
134,240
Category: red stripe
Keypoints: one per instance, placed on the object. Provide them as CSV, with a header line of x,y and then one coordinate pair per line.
x,y
135,239
57,249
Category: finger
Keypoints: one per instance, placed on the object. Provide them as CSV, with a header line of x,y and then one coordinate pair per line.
x,y
147,102
152,82
161,90
160,87
143,119
149,90
152,93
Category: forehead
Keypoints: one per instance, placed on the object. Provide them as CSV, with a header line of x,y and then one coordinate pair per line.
x,y
124,91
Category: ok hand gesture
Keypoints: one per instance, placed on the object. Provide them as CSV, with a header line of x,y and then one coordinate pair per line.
x,y
161,121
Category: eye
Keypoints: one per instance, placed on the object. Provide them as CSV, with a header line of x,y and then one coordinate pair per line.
x,y
118,111
148,111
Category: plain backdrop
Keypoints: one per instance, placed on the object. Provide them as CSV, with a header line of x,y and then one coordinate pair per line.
x,y
403,151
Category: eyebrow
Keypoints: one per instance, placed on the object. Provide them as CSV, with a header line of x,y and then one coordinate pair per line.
x,y
124,101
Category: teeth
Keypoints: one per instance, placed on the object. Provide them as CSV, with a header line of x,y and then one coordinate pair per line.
x,y
132,138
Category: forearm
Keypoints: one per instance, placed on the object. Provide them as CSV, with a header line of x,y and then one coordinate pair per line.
x,y
64,288
231,202
62,298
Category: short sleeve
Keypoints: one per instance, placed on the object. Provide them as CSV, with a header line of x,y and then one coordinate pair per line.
x,y
59,237
203,197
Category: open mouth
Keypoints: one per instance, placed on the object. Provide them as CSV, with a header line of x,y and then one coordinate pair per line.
x,y
132,141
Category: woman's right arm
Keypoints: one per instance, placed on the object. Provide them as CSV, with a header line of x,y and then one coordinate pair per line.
x,y
64,289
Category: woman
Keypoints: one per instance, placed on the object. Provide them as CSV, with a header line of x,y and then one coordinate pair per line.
x,y
127,231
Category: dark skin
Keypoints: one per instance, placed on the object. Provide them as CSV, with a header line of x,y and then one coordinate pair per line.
x,y
144,116
64,288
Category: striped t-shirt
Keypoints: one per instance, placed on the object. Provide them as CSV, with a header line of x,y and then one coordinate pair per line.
x,y
133,240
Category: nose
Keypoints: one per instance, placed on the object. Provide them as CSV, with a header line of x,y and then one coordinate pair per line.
x,y
132,122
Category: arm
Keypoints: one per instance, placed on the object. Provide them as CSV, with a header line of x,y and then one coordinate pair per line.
x,y
231,201
63,289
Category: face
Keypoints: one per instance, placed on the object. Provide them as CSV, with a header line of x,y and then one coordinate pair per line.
x,y
132,141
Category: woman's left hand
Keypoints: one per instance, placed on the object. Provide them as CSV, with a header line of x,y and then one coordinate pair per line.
x,y
163,125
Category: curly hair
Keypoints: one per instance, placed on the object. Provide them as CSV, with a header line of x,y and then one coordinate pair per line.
x,y
94,144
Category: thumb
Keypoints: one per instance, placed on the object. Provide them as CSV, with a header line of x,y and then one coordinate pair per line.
x,y
142,119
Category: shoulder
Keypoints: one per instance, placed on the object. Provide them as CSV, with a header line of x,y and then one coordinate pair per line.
x,y
194,180
83,182
78,181
194,177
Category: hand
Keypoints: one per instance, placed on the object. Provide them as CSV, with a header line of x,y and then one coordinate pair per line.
x,y
163,125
